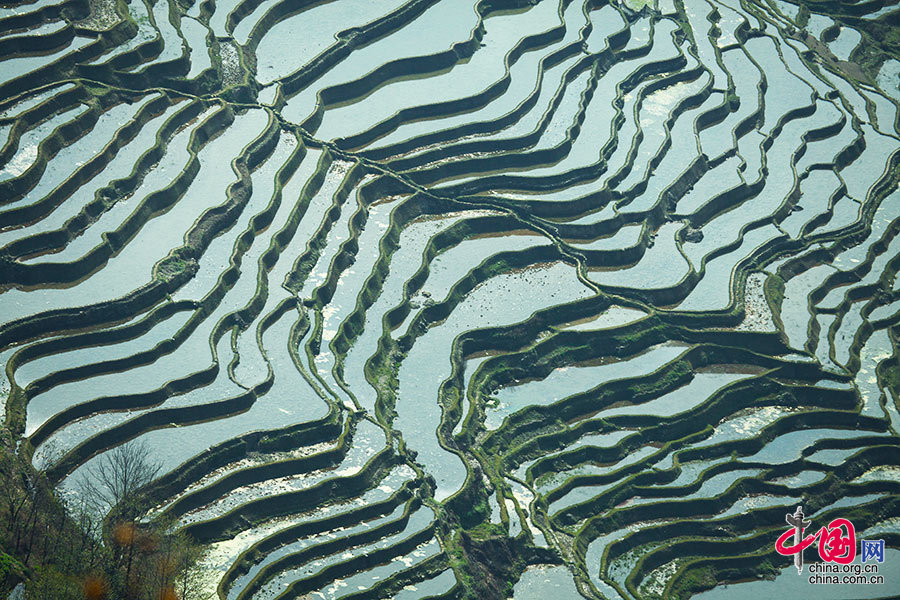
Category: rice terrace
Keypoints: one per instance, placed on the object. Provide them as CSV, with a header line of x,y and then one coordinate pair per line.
x,y
456,299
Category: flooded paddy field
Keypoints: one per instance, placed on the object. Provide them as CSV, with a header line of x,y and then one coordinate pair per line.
x,y
460,299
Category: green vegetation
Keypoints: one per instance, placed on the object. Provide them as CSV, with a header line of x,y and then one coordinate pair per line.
x,y
68,552
693,580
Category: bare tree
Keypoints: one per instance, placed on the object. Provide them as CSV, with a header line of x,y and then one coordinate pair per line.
x,y
191,576
112,483
115,477
15,494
